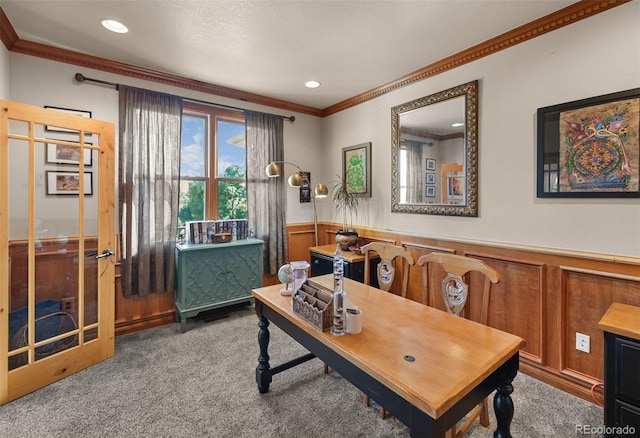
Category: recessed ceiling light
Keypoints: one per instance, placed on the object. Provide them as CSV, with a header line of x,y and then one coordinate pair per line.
x,y
312,84
114,25
457,124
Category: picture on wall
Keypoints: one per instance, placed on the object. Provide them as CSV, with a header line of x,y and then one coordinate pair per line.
x,y
431,164
430,191
64,154
80,113
305,188
590,148
68,183
356,168
431,178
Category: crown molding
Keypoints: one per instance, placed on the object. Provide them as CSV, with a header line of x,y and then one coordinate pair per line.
x,y
8,35
564,17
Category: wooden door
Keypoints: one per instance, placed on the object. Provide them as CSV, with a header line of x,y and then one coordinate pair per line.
x,y
56,234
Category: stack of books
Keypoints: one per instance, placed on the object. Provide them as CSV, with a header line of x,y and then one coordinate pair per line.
x,y
207,231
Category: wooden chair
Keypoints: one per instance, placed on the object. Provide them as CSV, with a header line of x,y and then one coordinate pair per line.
x,y
386,269
455,293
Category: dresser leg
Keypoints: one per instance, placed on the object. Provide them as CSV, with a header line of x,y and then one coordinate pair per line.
x,y
263,370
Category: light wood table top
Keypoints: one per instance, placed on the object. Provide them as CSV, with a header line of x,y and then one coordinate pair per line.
x,y
452,355
622,319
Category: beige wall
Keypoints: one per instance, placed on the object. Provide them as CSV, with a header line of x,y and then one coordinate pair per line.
x,y
595,56
4,72
41,82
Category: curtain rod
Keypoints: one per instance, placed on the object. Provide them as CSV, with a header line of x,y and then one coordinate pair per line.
x,y
82,78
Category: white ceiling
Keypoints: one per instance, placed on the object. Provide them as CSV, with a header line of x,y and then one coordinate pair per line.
x,y
271,47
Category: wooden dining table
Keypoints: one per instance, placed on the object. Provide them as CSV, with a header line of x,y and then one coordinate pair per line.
x,y
425,366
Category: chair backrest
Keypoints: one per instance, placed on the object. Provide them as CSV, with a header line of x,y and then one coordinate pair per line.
x,y
454,289
386,268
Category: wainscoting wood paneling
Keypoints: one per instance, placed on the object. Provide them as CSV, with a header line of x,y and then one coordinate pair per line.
x,y
300,237
139,313
586,296
544,296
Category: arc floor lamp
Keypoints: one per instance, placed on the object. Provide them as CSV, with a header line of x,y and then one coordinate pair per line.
x,y
297,179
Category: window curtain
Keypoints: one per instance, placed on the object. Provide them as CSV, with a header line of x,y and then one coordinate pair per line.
x,y
149,166
265,196
414,173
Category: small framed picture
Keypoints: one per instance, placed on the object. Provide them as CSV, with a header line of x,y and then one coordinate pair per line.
x,y
68,183
63,154
431,164
80,113
356,168
305,188
430,192
431,178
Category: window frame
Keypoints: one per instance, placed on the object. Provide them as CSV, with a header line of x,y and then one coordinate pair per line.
x,y
211,179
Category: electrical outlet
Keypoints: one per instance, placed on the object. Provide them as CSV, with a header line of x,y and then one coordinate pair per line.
x,y
583,342
68,304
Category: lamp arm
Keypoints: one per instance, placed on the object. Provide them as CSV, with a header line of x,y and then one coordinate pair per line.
x,y
287,162
313,198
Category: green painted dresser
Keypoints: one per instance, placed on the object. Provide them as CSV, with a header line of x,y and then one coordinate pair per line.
x,y
210,276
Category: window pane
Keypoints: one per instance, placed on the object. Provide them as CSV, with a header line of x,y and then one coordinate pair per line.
x,y
231,149
232,200
191,201
193,146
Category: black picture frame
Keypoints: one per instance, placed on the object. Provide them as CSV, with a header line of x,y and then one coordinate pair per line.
x,y
305,188
81,113
66,183
557,164
60,154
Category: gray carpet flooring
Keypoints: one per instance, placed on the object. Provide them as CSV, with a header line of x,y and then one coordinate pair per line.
x,y
201,383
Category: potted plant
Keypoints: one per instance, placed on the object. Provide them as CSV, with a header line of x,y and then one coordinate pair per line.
x,y
347,202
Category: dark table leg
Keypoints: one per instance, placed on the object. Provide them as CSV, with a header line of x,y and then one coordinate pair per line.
x,y
263,370
502,403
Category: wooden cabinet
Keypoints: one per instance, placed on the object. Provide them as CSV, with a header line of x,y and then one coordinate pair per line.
x,y
322,263
621,325
216,275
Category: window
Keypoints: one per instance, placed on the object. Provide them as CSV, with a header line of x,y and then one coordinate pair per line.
x,y
213,164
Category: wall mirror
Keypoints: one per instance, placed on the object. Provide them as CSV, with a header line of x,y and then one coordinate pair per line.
x,y
434,148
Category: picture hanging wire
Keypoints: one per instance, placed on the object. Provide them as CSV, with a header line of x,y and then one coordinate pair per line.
x,y
82,78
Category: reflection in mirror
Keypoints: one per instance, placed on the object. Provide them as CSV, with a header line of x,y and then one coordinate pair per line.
x,y
434,153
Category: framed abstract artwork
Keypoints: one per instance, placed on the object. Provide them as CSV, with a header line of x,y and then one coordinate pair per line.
x,y
590,148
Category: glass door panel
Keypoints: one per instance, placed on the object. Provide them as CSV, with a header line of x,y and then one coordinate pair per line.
x,y
58,221
18,233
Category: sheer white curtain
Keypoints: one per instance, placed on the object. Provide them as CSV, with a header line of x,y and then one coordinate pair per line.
x,y
149,166
265,196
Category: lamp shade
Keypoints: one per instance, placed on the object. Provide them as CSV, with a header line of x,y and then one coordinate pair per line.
x,y
273,170
321,191
296,180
